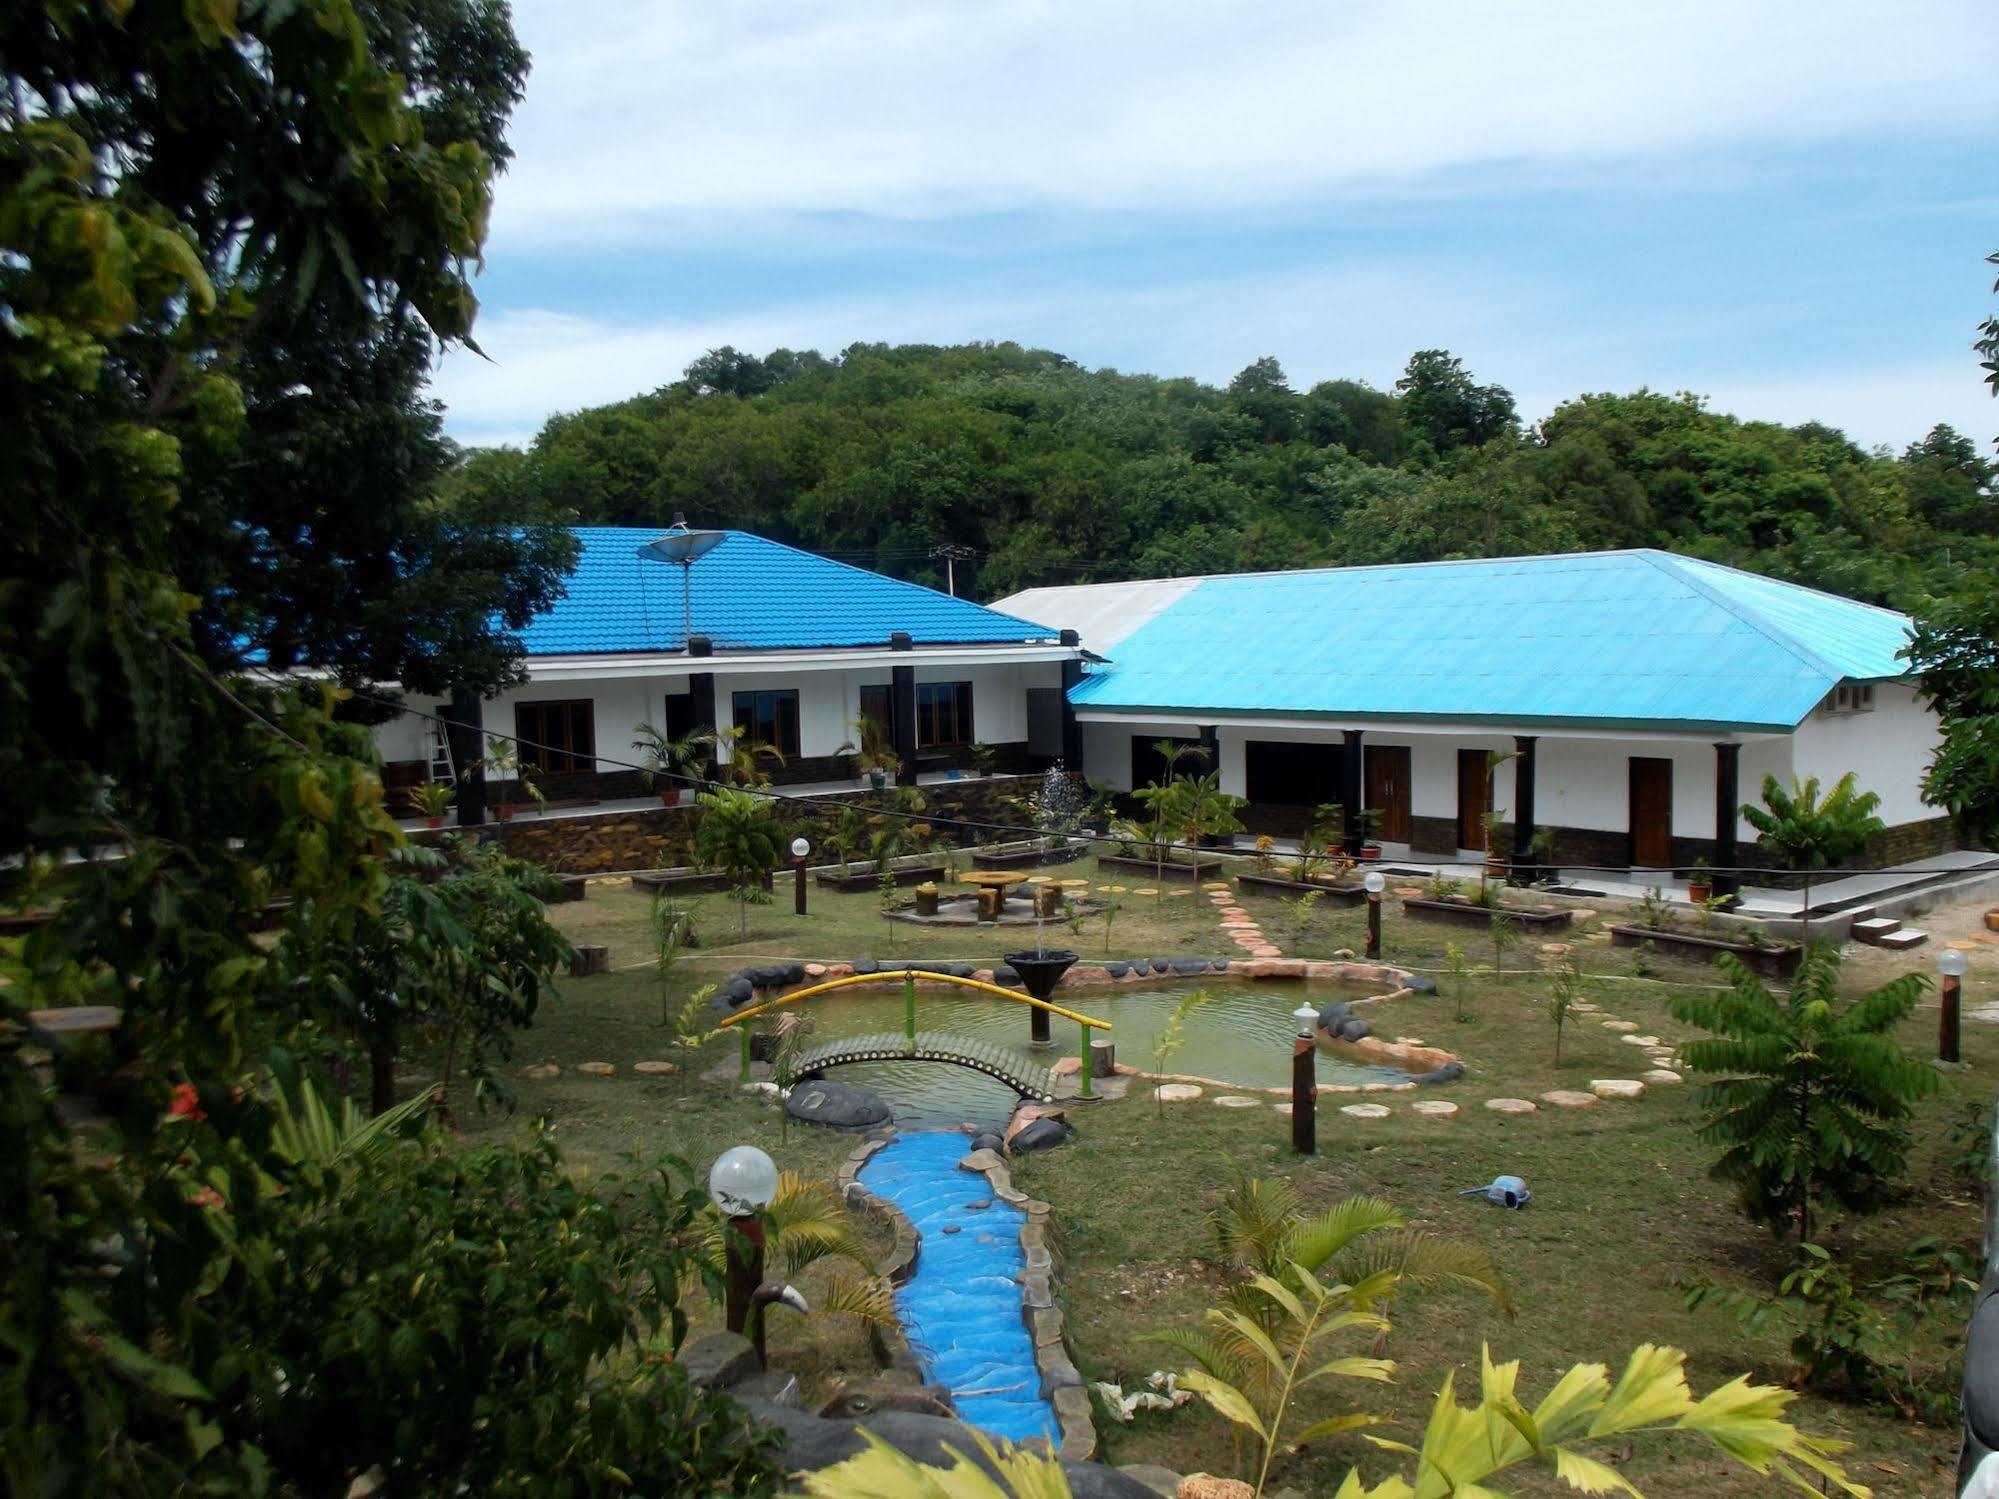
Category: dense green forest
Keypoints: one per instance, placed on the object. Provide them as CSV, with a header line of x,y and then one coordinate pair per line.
x,y
1042,471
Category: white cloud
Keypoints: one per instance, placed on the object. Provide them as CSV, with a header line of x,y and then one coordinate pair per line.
x,y
643,117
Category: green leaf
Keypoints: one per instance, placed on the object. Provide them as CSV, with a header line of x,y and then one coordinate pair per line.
x,y
1589,1475
1229,1402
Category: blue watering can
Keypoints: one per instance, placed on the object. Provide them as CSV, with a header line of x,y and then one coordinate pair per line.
x,y
1502,1192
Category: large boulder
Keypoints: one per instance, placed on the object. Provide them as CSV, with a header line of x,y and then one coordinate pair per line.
x,y
775,975
836,1105
1351,1029
1042,1134
1417,984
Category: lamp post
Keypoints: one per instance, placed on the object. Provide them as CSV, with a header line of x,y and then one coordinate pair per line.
x,y
1305,1082
1952,964
799,849
1375,884
741,1184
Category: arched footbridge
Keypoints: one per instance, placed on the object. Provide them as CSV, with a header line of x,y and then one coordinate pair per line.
x,y
994,1059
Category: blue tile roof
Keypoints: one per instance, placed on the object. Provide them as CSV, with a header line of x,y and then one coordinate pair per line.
x,y
1635,638
749,593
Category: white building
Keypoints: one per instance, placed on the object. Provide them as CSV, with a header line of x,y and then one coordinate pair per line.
x,y
1629,702
792,647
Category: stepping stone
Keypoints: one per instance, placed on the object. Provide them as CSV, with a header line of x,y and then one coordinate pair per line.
x,y
1620,1025
1364,1110
1554,949
1176,1093
1408,889
1584,1007
1903,940
1646,1041
1616,1087
815,970
1234,911
1662,1076
1569,1098
1237,1101
1510,1106
542,1071
1282,1108
1434,1108
654,1069
1179,894
1267,952
1148,890
596,1069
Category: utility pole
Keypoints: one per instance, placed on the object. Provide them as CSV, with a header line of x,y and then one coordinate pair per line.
x,y
951,551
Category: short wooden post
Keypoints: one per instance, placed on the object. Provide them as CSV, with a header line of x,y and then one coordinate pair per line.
x,y
1103,1057
926,900
589,959
989,903
1305,1096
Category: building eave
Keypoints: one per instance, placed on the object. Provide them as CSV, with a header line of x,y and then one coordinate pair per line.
x,y
1428,723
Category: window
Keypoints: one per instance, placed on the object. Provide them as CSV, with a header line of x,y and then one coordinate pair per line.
x,y
943,714
557,737
1852,697
771,717
875,708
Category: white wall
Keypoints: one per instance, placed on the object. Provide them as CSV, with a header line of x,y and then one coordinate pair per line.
x,y
1888,750
828,702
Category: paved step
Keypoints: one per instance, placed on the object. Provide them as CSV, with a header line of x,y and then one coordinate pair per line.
x,y
1874,928
1903,940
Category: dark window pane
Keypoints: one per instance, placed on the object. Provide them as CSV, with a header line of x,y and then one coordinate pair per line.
x,y
557,738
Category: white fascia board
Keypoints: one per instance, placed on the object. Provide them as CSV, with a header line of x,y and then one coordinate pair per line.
x,y
582,668
1188,722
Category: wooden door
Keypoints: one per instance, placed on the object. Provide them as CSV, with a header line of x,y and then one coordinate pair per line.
x,y
1474,797
1388,791
1651,813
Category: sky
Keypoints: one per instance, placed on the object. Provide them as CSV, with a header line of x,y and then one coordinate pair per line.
x,y
1783,207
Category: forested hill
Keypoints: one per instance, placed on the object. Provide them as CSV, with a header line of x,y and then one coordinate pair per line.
x,y
1044,472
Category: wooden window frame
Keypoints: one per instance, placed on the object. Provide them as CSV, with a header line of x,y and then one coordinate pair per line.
x,y
937,702
567,726
746,713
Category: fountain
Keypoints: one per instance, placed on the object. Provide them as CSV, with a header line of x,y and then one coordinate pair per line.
x,y
1058,805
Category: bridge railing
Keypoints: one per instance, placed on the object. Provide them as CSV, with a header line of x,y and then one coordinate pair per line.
x,y
909,976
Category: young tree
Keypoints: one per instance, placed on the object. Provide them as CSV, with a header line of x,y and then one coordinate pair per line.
x,y
1814,1095
1810,832
740,838
1956,649
1566,984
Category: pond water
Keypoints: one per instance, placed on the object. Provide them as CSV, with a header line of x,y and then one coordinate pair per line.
x,y
961,1307
1242,1035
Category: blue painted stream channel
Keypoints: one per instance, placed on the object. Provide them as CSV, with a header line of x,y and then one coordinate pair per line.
x,y
961,1308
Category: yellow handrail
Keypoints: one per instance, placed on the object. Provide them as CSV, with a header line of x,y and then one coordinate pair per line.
x,y
849,980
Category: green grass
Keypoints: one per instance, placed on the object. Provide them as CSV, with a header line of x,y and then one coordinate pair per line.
x,y
1623,1210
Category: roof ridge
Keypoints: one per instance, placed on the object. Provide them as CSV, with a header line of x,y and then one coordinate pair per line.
x,y
1354,567
1668,562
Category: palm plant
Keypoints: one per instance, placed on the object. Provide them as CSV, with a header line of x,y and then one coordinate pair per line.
x,y
681,759
1567,984
1814,1096
739,838
1174,1036
805,1224
1807,832
1462,1446
512,774
849,832
747,756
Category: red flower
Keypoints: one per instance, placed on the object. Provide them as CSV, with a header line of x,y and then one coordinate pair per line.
x,y
207,1197
186,1102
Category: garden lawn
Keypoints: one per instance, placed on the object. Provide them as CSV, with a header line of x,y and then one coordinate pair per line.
x,y
1623,1212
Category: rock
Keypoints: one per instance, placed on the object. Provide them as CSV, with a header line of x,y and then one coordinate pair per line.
x,y
954,1228
1364,1110
1583,1007
1647,1041
1450,1072
1059,1374
978,1205
1188,967
542,1071
734,992
369,1484
1619,1025
1569,1098
775,1386
989,1139
1206,1486
1006,976
1162,1481
596,1069
775,975
1617,1087
1331,1015
869,1396
1661,1076
815,970
1354,1029
1117,970
836,1105
866,965
1417,984
718,1360
1042,1134
654,1069
1554,949
1510,1106
1236,1101
980,1160
1434,1108
1177,1093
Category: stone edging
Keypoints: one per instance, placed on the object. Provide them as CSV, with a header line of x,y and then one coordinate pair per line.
x,y
1060,1379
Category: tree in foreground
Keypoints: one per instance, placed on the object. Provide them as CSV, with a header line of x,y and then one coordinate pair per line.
x,y
1814,1095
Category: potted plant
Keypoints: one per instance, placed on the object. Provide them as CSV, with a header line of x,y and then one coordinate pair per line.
x,y
512,773
983,755
1370,820
1700,884
682,759
433,799
874,756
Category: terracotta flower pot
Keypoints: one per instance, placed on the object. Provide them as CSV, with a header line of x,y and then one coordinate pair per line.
x,y
1698,892
670,797
433,822
504,811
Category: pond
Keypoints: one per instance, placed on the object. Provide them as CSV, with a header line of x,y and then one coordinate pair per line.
x,y
1242,1035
